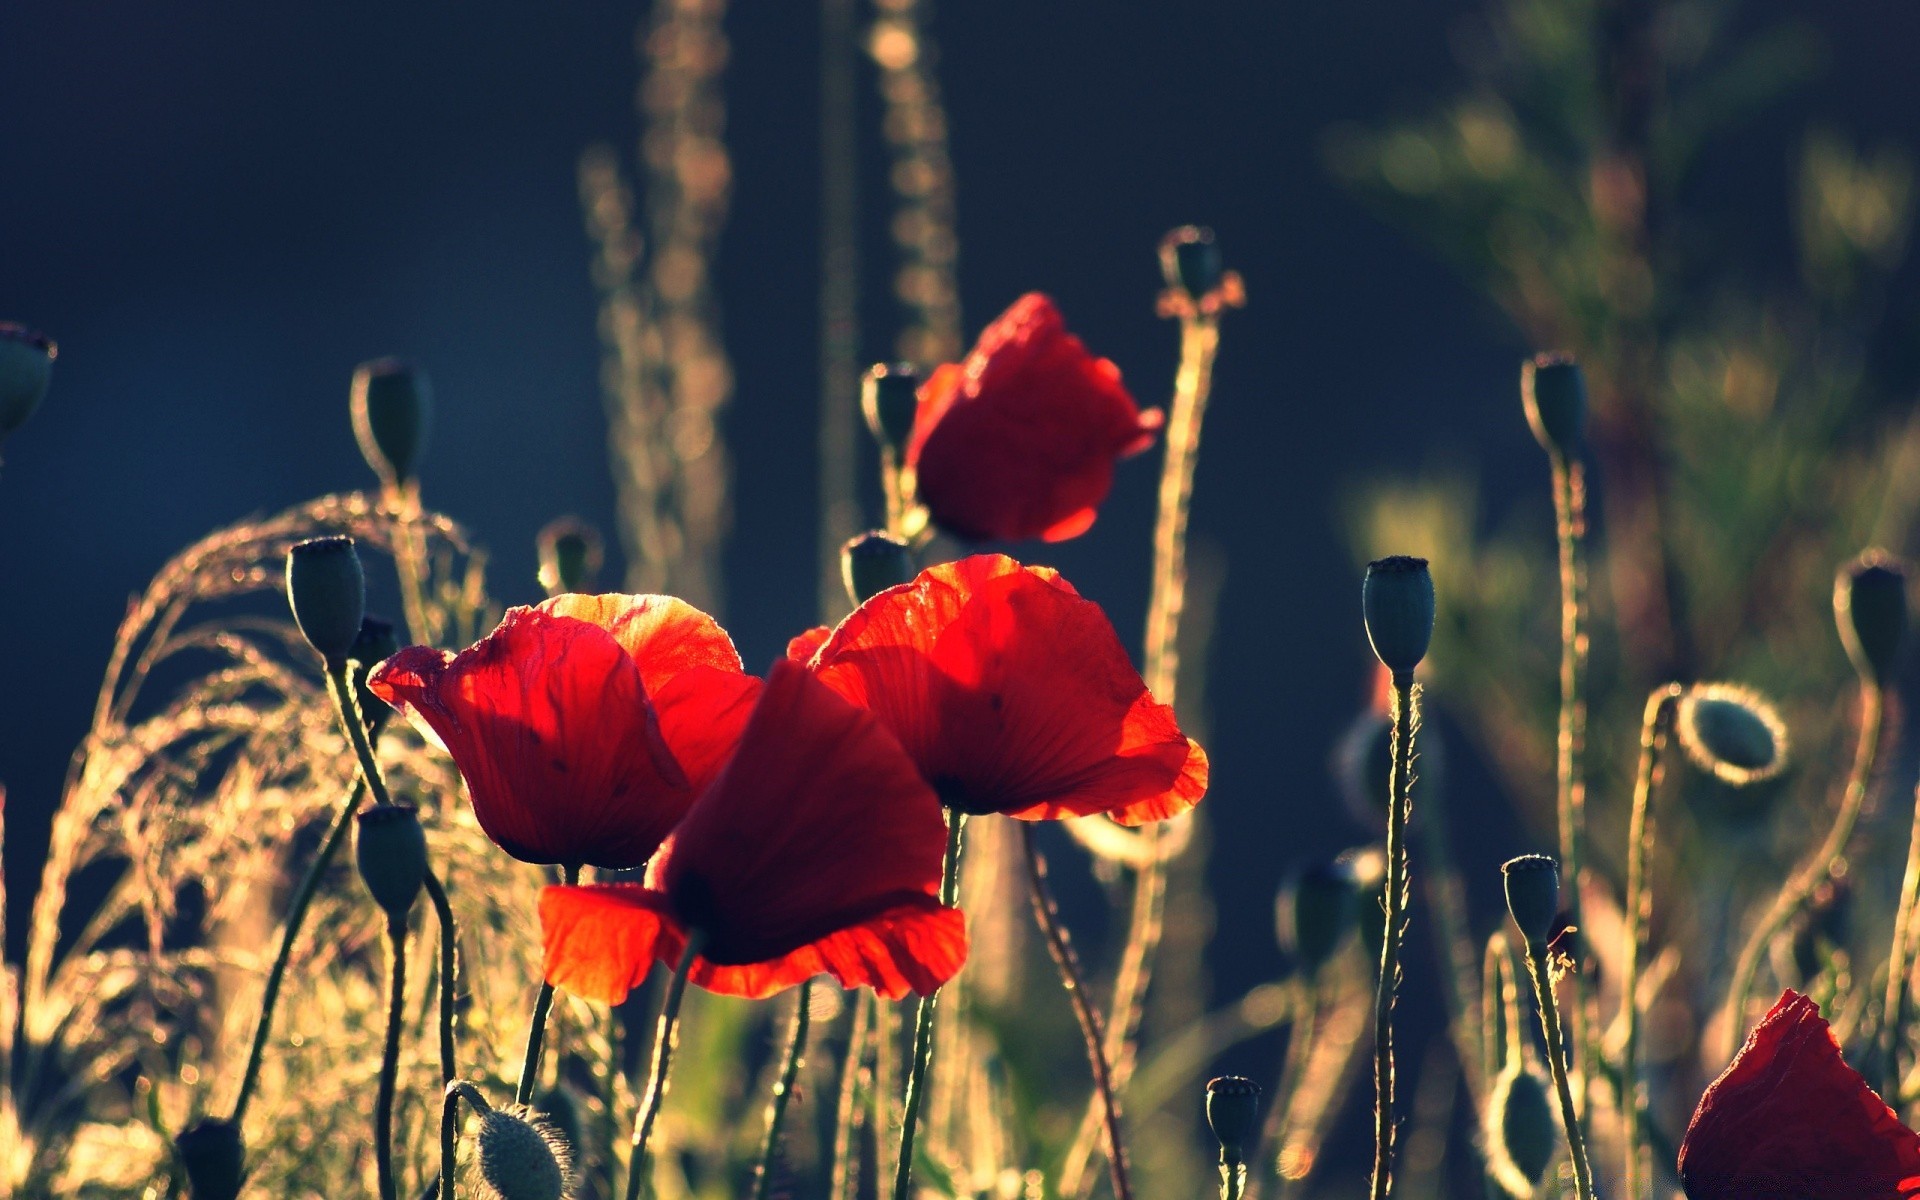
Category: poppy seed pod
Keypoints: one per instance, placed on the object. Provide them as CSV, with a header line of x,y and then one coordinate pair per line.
x,y
214,1159
26,367
1522,1130
1870,604
1554,390
1732,733
1397,600
391,851
571,555
1233,1109
378,641
1533,895
1314,914
392,406
890,398
520,1156
1190,261
328,591
873,562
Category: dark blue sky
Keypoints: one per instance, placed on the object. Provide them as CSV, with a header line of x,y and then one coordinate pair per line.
x,y
219,208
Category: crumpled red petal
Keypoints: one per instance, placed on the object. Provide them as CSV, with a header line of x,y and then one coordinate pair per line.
x,y
1790,1120
1019,441
803,647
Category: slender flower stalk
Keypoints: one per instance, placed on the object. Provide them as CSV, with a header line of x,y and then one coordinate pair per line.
x,y
390,1056
638,1165
537,1027
923,1023
1570,521
1406,720
783,1089
1542,972
1899,966
449,968
846,1127
1300,1043
1655,726
1047,915
1816,871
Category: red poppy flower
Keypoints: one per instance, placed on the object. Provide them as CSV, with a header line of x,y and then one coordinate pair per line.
x,y
584,728
817,851
1013,695
1789,1120
1019,441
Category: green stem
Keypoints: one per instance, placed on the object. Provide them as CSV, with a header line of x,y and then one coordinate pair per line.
x,y
1538,967
537,1027
346,705
390,1057
1405,722
1816,871
1233,1176
1300,1042
846,1141
450,1128
1893,1025
1047,915
783,1088
638,1163
1570,520
289,934
923,1024
449,968
1654,727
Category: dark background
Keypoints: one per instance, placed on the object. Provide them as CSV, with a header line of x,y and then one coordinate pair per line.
x,y
219,208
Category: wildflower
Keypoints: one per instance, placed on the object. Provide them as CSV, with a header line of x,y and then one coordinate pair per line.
x,y
1019,441
817,851
1790,1120
585,727
1013,695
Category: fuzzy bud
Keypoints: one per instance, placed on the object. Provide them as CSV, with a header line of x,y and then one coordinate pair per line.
x,y
1190,261
1523,1130
1870,604
1533,895
1554,390
890,397
519,1156
328,591
392,408
1397,600
873,562
1233,1110
391,850
1314,913
214,1159
571,555
26,368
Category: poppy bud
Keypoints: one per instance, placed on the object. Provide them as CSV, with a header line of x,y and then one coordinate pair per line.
x,y
1870,603
890,397
1315,913
214,1159
328,591
26,367
391,851
1533,895
1522,1130
1554,390
392,405
1397,599
377,642
519,1156
1731,732
873,562
1233,1106
1190,261
571,555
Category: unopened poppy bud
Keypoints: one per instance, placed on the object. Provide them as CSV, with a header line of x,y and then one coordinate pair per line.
x,y
391,851
1533,895
392,406
1314,913
1523,1130
1397,600
378,641
214,1159
1870,603
1233,1108
26,367
873,562
571,555
520,1156
1554,390
890,397
1190,261
328,591
1731,732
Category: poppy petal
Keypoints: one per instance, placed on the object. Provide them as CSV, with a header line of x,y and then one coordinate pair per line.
x,y
600,940
701,712
1790,1120
664,634
802,648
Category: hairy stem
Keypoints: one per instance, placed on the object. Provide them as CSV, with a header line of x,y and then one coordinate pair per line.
x,y
846,1140
449,968
1570,521
783,1089
923,1024
1654,727
638,1164
390,1056
1405,721
537,1027
1542,973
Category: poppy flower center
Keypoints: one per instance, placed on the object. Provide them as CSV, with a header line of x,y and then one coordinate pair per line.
x,y
956,794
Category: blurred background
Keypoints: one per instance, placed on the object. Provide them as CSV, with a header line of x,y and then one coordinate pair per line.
x,y
219,209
